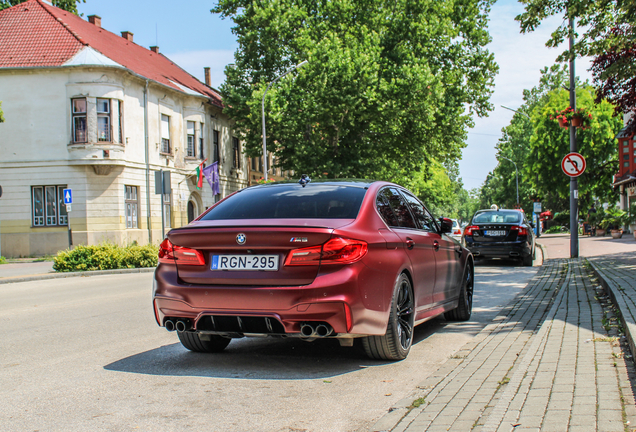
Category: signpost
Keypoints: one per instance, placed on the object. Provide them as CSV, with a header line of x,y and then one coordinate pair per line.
x,y
163,186
68,200
536,209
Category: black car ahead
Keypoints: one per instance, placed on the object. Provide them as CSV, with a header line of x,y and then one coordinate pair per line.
x,y
500,234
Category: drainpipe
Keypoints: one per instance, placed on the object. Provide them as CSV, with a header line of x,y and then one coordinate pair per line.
x,y
147,162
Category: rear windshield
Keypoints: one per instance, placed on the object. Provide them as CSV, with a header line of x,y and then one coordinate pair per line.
x,y
500,216
318,201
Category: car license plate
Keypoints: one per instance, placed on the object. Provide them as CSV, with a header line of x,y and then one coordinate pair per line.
x,y
245,262
495,233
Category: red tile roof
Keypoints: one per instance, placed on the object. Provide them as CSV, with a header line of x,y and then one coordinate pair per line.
x,y
36,34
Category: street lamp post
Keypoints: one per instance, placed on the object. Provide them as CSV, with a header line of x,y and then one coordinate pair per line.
x,y
516,175
518,112
263,114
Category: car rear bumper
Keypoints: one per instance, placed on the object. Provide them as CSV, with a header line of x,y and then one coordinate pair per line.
x,y
336,297
499,250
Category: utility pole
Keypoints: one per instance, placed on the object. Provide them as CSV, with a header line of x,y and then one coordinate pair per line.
x,y
574,192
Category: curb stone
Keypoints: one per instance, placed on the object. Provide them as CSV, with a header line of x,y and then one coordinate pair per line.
x,y
74,274
616,296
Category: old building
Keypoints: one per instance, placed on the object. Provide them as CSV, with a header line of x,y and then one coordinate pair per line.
x,y
91,111
625,180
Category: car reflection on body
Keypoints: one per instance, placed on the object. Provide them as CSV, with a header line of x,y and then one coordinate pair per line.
x,y
330,259
497,233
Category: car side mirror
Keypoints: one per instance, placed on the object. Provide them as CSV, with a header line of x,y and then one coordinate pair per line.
x,y
531,224
446,224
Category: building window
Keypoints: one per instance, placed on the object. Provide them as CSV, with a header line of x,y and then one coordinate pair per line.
x,y
132,207
253,164
103,120
190,151
120,119
165,134
48,206
215,145
166,210
236,153
201,141
626,164
79,120
626,157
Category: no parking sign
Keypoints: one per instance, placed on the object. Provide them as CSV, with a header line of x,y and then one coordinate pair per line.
x,y
573,164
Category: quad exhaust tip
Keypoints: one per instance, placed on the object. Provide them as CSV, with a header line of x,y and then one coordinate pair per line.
x,y
179,325
315,330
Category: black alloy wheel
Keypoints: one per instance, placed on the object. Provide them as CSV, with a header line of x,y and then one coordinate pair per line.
x,y
465,304
396,343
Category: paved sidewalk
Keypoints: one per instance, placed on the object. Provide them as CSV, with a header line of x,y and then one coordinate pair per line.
x,y
547,363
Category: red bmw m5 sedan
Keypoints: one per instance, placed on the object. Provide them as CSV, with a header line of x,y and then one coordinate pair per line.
x,y
326,259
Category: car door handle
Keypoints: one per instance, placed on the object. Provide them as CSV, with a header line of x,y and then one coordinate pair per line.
x,y
436,245
410,244
458,250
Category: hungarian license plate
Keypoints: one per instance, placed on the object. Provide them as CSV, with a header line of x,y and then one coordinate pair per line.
x,y
495,233
245,262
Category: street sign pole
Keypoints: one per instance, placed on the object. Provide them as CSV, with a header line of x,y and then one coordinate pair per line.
x,y
574,211
68,222
163,221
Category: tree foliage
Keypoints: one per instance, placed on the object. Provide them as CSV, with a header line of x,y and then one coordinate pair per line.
x,y
69,5
608,35
500,185
550,143
389,91
1,113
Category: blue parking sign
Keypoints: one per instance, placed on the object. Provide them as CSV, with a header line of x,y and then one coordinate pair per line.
x,y
68,196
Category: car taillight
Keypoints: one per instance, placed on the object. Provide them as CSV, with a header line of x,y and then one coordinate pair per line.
x,y
457,232
468,231
173,254
521,231
336,251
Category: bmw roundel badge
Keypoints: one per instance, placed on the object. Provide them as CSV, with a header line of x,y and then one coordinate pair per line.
x,y
240,238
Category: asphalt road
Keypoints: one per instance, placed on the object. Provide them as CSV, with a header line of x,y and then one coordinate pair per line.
x,y
85,353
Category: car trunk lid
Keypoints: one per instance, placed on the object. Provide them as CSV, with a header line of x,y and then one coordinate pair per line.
x,y
222,239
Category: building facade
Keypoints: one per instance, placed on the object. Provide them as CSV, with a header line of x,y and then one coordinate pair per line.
x,y
93,112
625,180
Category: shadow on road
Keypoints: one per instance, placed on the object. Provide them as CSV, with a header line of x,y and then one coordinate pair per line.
x,y
266,358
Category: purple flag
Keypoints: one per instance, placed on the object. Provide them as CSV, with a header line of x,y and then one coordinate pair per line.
x,y
211,174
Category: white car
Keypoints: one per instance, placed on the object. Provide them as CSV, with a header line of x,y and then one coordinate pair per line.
x,y
456,233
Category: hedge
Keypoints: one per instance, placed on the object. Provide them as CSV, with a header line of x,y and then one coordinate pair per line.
x,y
105,256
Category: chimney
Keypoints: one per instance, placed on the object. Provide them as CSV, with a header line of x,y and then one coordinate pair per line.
x,y
127,35
154,49
95,20
206,70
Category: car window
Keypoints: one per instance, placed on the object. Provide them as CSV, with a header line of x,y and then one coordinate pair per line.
x,y
291,201
498,216
399,207
422,216
385,211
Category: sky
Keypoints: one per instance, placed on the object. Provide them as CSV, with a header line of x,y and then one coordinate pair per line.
x,y
194,38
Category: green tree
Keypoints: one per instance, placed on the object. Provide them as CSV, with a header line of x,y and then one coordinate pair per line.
x,y
69,5
607,33
390,87
1,113
550,143
500,186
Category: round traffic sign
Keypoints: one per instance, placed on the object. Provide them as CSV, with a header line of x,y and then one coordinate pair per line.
x,y
573,164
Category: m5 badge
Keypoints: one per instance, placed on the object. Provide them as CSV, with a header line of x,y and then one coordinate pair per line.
x,y
298,240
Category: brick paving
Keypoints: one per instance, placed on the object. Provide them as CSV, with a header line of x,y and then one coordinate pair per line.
x,y
549,362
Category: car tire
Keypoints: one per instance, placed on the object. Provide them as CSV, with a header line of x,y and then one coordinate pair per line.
x,y
465,304
527,260
395,344
193,342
